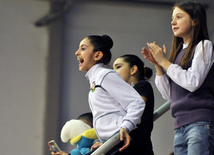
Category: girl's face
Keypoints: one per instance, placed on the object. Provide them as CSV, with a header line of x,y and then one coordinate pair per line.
x,y
85,55
122,68
182,24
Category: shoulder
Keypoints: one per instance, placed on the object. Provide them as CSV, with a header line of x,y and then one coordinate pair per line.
x,y
204,49
144,88
143,83
206,43
105,72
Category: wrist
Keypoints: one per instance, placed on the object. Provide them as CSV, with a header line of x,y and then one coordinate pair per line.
x,y
124,128
165,64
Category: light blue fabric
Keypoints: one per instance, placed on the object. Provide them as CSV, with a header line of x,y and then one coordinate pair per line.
x,y
194,139
83,146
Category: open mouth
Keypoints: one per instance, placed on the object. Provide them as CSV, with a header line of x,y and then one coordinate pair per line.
x,y
81,61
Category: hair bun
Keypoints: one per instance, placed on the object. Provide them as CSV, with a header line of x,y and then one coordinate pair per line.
x,y
108,41
148,73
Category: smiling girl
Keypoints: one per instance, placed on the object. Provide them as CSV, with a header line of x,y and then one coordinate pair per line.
x,y
187,79
115,105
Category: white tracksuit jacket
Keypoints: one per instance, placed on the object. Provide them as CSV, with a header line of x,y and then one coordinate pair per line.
x,y
113,102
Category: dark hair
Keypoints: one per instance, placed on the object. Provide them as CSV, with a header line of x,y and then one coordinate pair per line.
x,y
197,13
88,117
145,73
104,44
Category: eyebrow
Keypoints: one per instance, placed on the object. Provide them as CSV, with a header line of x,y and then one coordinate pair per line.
x,y
84,45
118,64
178,14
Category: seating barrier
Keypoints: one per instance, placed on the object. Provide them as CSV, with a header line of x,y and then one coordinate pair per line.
x,y
114,140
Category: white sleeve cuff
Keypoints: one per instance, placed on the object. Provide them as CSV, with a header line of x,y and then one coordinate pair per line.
x,y
128,126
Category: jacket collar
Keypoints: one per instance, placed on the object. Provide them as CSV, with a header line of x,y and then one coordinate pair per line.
x,y
93,71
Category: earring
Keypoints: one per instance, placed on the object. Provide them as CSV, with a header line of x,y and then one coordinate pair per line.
x,y
132,84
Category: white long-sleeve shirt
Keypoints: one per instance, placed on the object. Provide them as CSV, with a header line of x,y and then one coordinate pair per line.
x,y
113,102
192,78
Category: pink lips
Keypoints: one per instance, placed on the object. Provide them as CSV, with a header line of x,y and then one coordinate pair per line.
x,y
175,28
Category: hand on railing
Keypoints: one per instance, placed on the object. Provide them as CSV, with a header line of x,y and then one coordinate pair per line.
x,y
116,138
107,145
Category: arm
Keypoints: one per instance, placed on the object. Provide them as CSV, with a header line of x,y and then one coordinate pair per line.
x,y
124,136
129,100
162,83
144,88
161,79
127,97
192,78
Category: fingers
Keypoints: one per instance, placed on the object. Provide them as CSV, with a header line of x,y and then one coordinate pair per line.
x,y
149,45
53,153
124,136
144,49
148,55
126,144
164,49
145,52
127,141
155,54
59,153
96,145
153,47
124,147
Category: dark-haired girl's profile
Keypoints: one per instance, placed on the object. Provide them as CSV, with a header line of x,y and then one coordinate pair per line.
x,y
116,105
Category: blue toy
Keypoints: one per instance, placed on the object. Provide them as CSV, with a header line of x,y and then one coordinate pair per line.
x,y
80,134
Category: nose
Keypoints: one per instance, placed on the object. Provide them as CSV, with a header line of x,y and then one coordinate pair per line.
x,y
173,22
77,53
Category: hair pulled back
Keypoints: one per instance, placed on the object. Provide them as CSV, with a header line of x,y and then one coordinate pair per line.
x,y
104,44
145,73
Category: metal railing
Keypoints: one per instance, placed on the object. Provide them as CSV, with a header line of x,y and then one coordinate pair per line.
x,y
116,138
